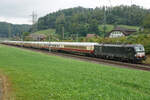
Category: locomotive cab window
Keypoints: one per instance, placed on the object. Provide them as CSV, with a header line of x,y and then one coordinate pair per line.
x,y
139,49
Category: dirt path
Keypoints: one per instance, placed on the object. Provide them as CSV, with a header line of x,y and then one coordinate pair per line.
x,y
1,89
5,90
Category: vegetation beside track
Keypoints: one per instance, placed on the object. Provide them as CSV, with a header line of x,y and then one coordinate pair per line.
x,y
37,76
147,60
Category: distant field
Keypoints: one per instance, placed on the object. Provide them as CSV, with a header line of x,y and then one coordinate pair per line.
x,y
130,27
111,27
37,76
46,32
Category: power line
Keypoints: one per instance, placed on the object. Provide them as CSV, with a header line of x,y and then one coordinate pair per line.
x,y
110,3
131,2
34,20
9,31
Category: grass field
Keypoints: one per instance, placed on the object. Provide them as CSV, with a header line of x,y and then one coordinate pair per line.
x,y
111,27
46,32
37,76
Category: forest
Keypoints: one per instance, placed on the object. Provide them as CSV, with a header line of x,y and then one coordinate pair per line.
x,y
10,30
82,21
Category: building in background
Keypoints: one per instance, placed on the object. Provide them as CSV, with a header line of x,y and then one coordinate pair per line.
x,y
37,37
91,35
119,32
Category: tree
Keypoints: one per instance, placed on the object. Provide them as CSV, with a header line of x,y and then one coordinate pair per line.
x,y
75,20
25,34
146,21
8,30
60,24
93,28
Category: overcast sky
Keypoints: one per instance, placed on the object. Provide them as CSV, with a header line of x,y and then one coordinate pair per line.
x,y
19,11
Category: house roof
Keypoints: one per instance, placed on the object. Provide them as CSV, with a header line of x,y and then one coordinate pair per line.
x,y
125,31
90,35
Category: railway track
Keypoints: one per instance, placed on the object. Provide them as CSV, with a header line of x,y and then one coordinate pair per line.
x,y
108,62
145,67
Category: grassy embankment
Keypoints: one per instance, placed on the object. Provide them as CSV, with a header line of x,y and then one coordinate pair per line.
x,y
37,76
46,32
49,32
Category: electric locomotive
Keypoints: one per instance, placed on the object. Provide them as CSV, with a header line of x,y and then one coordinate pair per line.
x,y
122,52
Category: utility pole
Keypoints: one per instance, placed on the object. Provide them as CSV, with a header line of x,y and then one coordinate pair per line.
x,y
104,20
63,32
131,2
9,31
49,43
77,37
110,3
22,38
34,20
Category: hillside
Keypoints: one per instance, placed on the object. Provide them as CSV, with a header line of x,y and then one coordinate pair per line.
x,y
82,21
100,27
46,32
13,29
111,27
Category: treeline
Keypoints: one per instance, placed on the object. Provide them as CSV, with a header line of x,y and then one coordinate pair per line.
x,y
82,21
11,30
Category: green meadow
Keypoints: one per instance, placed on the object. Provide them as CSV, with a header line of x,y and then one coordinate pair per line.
x,y
37,76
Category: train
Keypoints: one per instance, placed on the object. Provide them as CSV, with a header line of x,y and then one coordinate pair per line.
x,y
122,52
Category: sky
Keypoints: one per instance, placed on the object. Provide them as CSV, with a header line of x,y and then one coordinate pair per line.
x,y
20,11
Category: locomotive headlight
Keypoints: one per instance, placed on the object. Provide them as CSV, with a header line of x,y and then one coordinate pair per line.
x,y
141,54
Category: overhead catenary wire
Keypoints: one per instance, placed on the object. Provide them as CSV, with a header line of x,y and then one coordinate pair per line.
x,y
34,21
131,2
104,19
110,3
